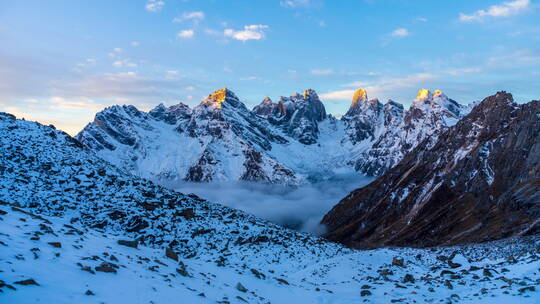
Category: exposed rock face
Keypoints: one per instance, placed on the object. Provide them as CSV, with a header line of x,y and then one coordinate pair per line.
x,y
298,116
178,143
267,108
479,181
364,119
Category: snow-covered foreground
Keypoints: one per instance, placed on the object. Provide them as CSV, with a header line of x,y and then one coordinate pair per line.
x,y
300,208
47,260
63,211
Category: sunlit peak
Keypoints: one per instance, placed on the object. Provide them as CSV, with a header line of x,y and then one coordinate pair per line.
x,y
218,97
359,96
423,94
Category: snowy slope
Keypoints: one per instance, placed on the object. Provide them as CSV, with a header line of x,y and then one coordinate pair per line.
x,y
69,263
289,142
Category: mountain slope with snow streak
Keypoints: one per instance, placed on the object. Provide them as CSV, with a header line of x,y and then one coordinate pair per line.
x,y
477,182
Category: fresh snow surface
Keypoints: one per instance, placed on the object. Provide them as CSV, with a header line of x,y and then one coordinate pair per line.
x,y
502,272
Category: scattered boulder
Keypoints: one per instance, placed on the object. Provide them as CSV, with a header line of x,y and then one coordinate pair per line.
x,y
55,244
27,282
257,273
132,244
171,254
453,265
182,269
241,287
408,278
400,262
106,267
89,293
365,293
528,288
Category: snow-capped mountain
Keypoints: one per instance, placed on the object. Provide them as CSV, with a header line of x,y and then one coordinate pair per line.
x,y
478,181
75,228
220,139
428,116
297,115
286,142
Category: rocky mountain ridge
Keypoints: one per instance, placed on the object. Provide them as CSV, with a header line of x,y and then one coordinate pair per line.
x,y
477,182
287,142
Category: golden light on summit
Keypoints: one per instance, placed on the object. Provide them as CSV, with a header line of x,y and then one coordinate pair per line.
x,y
423,94
359,95
218,97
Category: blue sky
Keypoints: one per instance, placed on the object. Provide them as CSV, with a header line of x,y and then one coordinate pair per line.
x,y
61,61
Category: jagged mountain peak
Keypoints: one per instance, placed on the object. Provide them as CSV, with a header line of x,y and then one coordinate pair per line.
x,y
500,97
423,95
438,93
310,94
359,96
391,103
360,104
218,97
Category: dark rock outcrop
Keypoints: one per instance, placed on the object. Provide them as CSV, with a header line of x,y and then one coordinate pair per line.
x,y
479,181
297,115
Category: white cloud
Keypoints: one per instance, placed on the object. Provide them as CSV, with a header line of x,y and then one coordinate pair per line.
x,y
400,32
195,16
250,32
82,103
154,5
249,78
523,57
186,34
422,19
135,43
322,72
502,10
115,52
189,88
463,71
172,74
124,63
88,62
295,3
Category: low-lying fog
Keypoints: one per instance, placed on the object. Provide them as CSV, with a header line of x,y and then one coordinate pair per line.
x,y
300,208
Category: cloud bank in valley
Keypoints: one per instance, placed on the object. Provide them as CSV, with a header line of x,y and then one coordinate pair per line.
x,y
299,208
